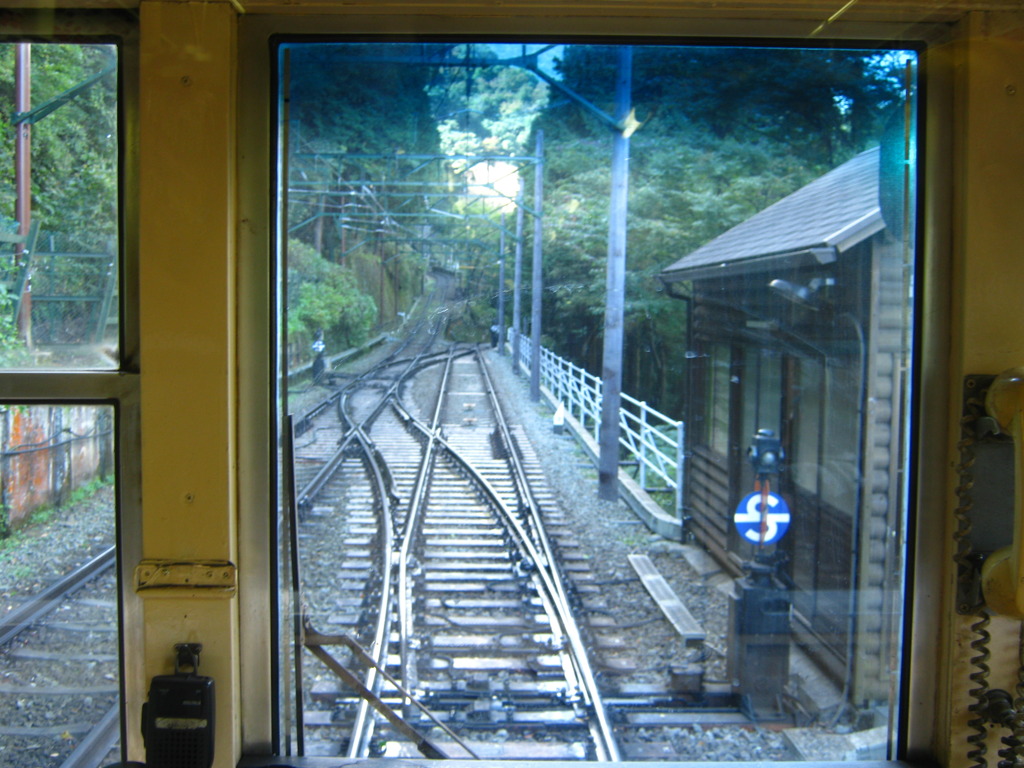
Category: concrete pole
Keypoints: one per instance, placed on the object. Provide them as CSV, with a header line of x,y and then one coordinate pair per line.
x,y
517,293
501,288
23,175
538,278
611,368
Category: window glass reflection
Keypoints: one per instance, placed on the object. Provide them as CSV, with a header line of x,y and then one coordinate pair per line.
x,y
58,206
718,241
59,649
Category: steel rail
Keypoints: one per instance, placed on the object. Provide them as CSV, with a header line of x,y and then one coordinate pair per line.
x,y
532,509
46,601
521,537
426,468
316,484
316,646
413,364
576,666
545,575
363,726
102,737
98,742
363,656
389,360
540,552
382,484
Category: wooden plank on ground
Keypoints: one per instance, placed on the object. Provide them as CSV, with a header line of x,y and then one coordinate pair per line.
x,y
673,608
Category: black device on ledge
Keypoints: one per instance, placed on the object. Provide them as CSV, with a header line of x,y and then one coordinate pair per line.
x,y
177,721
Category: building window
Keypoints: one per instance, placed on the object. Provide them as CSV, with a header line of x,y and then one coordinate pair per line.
x,y
805,461
719,386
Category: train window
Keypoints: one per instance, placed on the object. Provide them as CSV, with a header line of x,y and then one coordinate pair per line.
x,y
63,433
59,291
593,371
59,645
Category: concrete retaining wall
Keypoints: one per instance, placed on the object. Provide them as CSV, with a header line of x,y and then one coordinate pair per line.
x,y
49,451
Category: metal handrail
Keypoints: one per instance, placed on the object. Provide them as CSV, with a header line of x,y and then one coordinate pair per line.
x,y
607,747
652,440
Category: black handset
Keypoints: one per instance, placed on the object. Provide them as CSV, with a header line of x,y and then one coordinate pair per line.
x,y
177,721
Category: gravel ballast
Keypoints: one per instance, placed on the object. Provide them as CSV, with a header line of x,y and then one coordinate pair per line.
x,y
608,532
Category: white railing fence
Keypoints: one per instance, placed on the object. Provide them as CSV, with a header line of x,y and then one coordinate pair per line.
x,y
653,442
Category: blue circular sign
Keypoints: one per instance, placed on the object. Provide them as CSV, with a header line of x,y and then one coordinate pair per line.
x,y
762,526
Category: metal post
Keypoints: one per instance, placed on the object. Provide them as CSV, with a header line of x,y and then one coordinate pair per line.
x,y
538,277
581,377
680,454
643,445
23,176
501,288
517,297
611,369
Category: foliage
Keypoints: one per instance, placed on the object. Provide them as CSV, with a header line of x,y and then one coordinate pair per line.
x,y
724,133
820,105
74,148
13,352
354,108
10,539
323,296
485,110
89,489
74,181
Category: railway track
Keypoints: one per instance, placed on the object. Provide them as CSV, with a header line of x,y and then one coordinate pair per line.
x,y
430,542
447,559
59,659
441,603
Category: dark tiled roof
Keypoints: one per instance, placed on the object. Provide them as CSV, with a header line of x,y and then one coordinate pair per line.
x,y
829,215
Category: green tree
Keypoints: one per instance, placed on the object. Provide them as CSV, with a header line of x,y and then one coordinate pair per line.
x,y
323,296
354,108
485,110
74,148
724,133
74,180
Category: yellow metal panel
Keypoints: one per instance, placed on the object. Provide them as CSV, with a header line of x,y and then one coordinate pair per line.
x,y
820,12
197,621
187,320
987,330
817,10
187,274
991,226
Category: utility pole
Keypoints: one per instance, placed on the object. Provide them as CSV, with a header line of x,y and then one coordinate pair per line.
x,y
611,367
501,287
22,120
538,278
23,176
517,293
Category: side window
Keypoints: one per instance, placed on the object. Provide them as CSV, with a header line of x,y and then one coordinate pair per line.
x,y
60,300
718,382
593,375
807,398
58,211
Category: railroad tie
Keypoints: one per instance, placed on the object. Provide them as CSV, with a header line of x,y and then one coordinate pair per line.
x,y
666,598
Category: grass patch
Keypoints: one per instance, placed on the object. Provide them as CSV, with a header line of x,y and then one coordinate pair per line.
x,y
10,536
